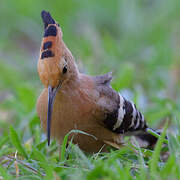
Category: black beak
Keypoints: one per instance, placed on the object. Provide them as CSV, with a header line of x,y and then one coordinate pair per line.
x,y
51,96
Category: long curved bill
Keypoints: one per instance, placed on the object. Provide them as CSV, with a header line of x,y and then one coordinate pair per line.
x,y
51,96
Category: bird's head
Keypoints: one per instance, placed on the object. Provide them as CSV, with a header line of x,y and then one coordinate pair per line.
x,y
56,64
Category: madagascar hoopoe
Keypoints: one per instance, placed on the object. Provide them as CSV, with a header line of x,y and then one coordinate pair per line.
x,y
72,100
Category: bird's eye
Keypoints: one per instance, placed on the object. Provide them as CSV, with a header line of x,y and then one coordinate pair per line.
x,y
64,69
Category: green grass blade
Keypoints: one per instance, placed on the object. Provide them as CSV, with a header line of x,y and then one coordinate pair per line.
x,y
156,155
38,155
5,174
150,131
63,146
3,141
142,173
16,142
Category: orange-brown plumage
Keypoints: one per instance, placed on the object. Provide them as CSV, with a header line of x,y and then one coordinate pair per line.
x,y
76,107
49,71
71,100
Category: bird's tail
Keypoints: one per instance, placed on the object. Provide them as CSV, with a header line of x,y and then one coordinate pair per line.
x,y
149,137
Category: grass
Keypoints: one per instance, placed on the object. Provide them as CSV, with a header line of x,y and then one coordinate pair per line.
x,y
137,40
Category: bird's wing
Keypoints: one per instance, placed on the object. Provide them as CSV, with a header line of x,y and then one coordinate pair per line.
x,y
103,79
121,115
108,100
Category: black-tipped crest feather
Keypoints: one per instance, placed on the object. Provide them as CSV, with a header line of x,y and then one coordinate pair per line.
x,y
47,19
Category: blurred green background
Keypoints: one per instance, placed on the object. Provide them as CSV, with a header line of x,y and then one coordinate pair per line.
x,y
138,40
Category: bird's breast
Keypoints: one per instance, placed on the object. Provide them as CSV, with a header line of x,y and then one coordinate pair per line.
x,y
71,110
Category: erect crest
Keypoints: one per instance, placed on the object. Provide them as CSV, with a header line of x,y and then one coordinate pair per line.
x,y
52,37
52,48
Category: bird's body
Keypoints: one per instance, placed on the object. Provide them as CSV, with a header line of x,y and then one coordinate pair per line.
x,y
80,101
83,109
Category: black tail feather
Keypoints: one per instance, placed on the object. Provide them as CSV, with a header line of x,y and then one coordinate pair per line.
x,y
150,139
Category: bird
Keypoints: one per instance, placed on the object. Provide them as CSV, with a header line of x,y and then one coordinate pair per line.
x,y
72,100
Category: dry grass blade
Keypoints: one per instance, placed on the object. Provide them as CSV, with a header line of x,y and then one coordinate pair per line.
x,y
16,165
25,165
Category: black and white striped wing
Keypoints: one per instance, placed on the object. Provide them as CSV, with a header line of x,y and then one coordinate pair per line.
x,y
128,118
